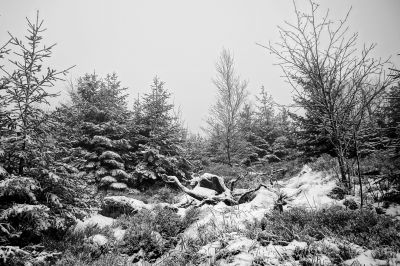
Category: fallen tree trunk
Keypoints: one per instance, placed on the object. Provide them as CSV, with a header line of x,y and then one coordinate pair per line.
x,y
250,194
213,182
217,184
175,180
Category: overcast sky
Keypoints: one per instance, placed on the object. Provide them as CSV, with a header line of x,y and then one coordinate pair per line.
x,y
180,40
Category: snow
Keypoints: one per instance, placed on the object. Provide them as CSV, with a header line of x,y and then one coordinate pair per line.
x,y
2,171
101,140
221,217
310,189
99,240
241,243
95,220
118,186
181,212
235,217
204,191
394,210
210,248
247,250
126,201
108,180
119,233
328,243
110,155
18,209
366,259
241,259
307,189
264,199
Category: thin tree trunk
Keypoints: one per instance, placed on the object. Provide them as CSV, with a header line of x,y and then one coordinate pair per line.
x,y
21,166
358,168
228,150
342,168
22,160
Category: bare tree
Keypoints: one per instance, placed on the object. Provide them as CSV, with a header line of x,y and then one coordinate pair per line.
x,y
231,96
332,79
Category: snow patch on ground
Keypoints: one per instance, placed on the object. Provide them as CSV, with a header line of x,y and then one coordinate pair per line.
x,y
240,250
394,210
99,240
366,259
119,233
226,224
204,191
95,220
307,189
310,189
127,201
221,217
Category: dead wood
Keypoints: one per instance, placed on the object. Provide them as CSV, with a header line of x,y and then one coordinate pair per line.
x,y
217,184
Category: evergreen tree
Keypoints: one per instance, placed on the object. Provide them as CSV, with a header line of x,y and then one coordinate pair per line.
x,y
25,88
95,132
271,129
156,116
265,121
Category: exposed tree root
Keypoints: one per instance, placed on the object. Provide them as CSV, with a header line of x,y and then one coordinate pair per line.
x,y
216,183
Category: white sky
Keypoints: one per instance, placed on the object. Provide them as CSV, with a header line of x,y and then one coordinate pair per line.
x,y
180,40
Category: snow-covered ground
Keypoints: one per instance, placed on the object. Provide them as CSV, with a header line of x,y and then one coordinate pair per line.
x,y
308,189
225,225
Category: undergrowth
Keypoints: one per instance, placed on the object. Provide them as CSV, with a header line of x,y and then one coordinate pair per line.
x,y
363,227
279,170
148,236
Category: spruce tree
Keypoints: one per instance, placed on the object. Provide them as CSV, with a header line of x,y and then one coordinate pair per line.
x,y
25,84
94,131
161,124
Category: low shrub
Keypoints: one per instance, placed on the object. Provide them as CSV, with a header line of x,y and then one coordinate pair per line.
x,y
158,194
111,259
338,193
325,162
186,257
140,235
252,229
362,227
139,238
383,253
259,261
76,246
191,215
346,252
351,204
166,194
149,235
168,223
153,233
224,170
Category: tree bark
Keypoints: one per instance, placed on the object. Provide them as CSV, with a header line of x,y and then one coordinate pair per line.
x,y
228,150
342,168
22,160
358,169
